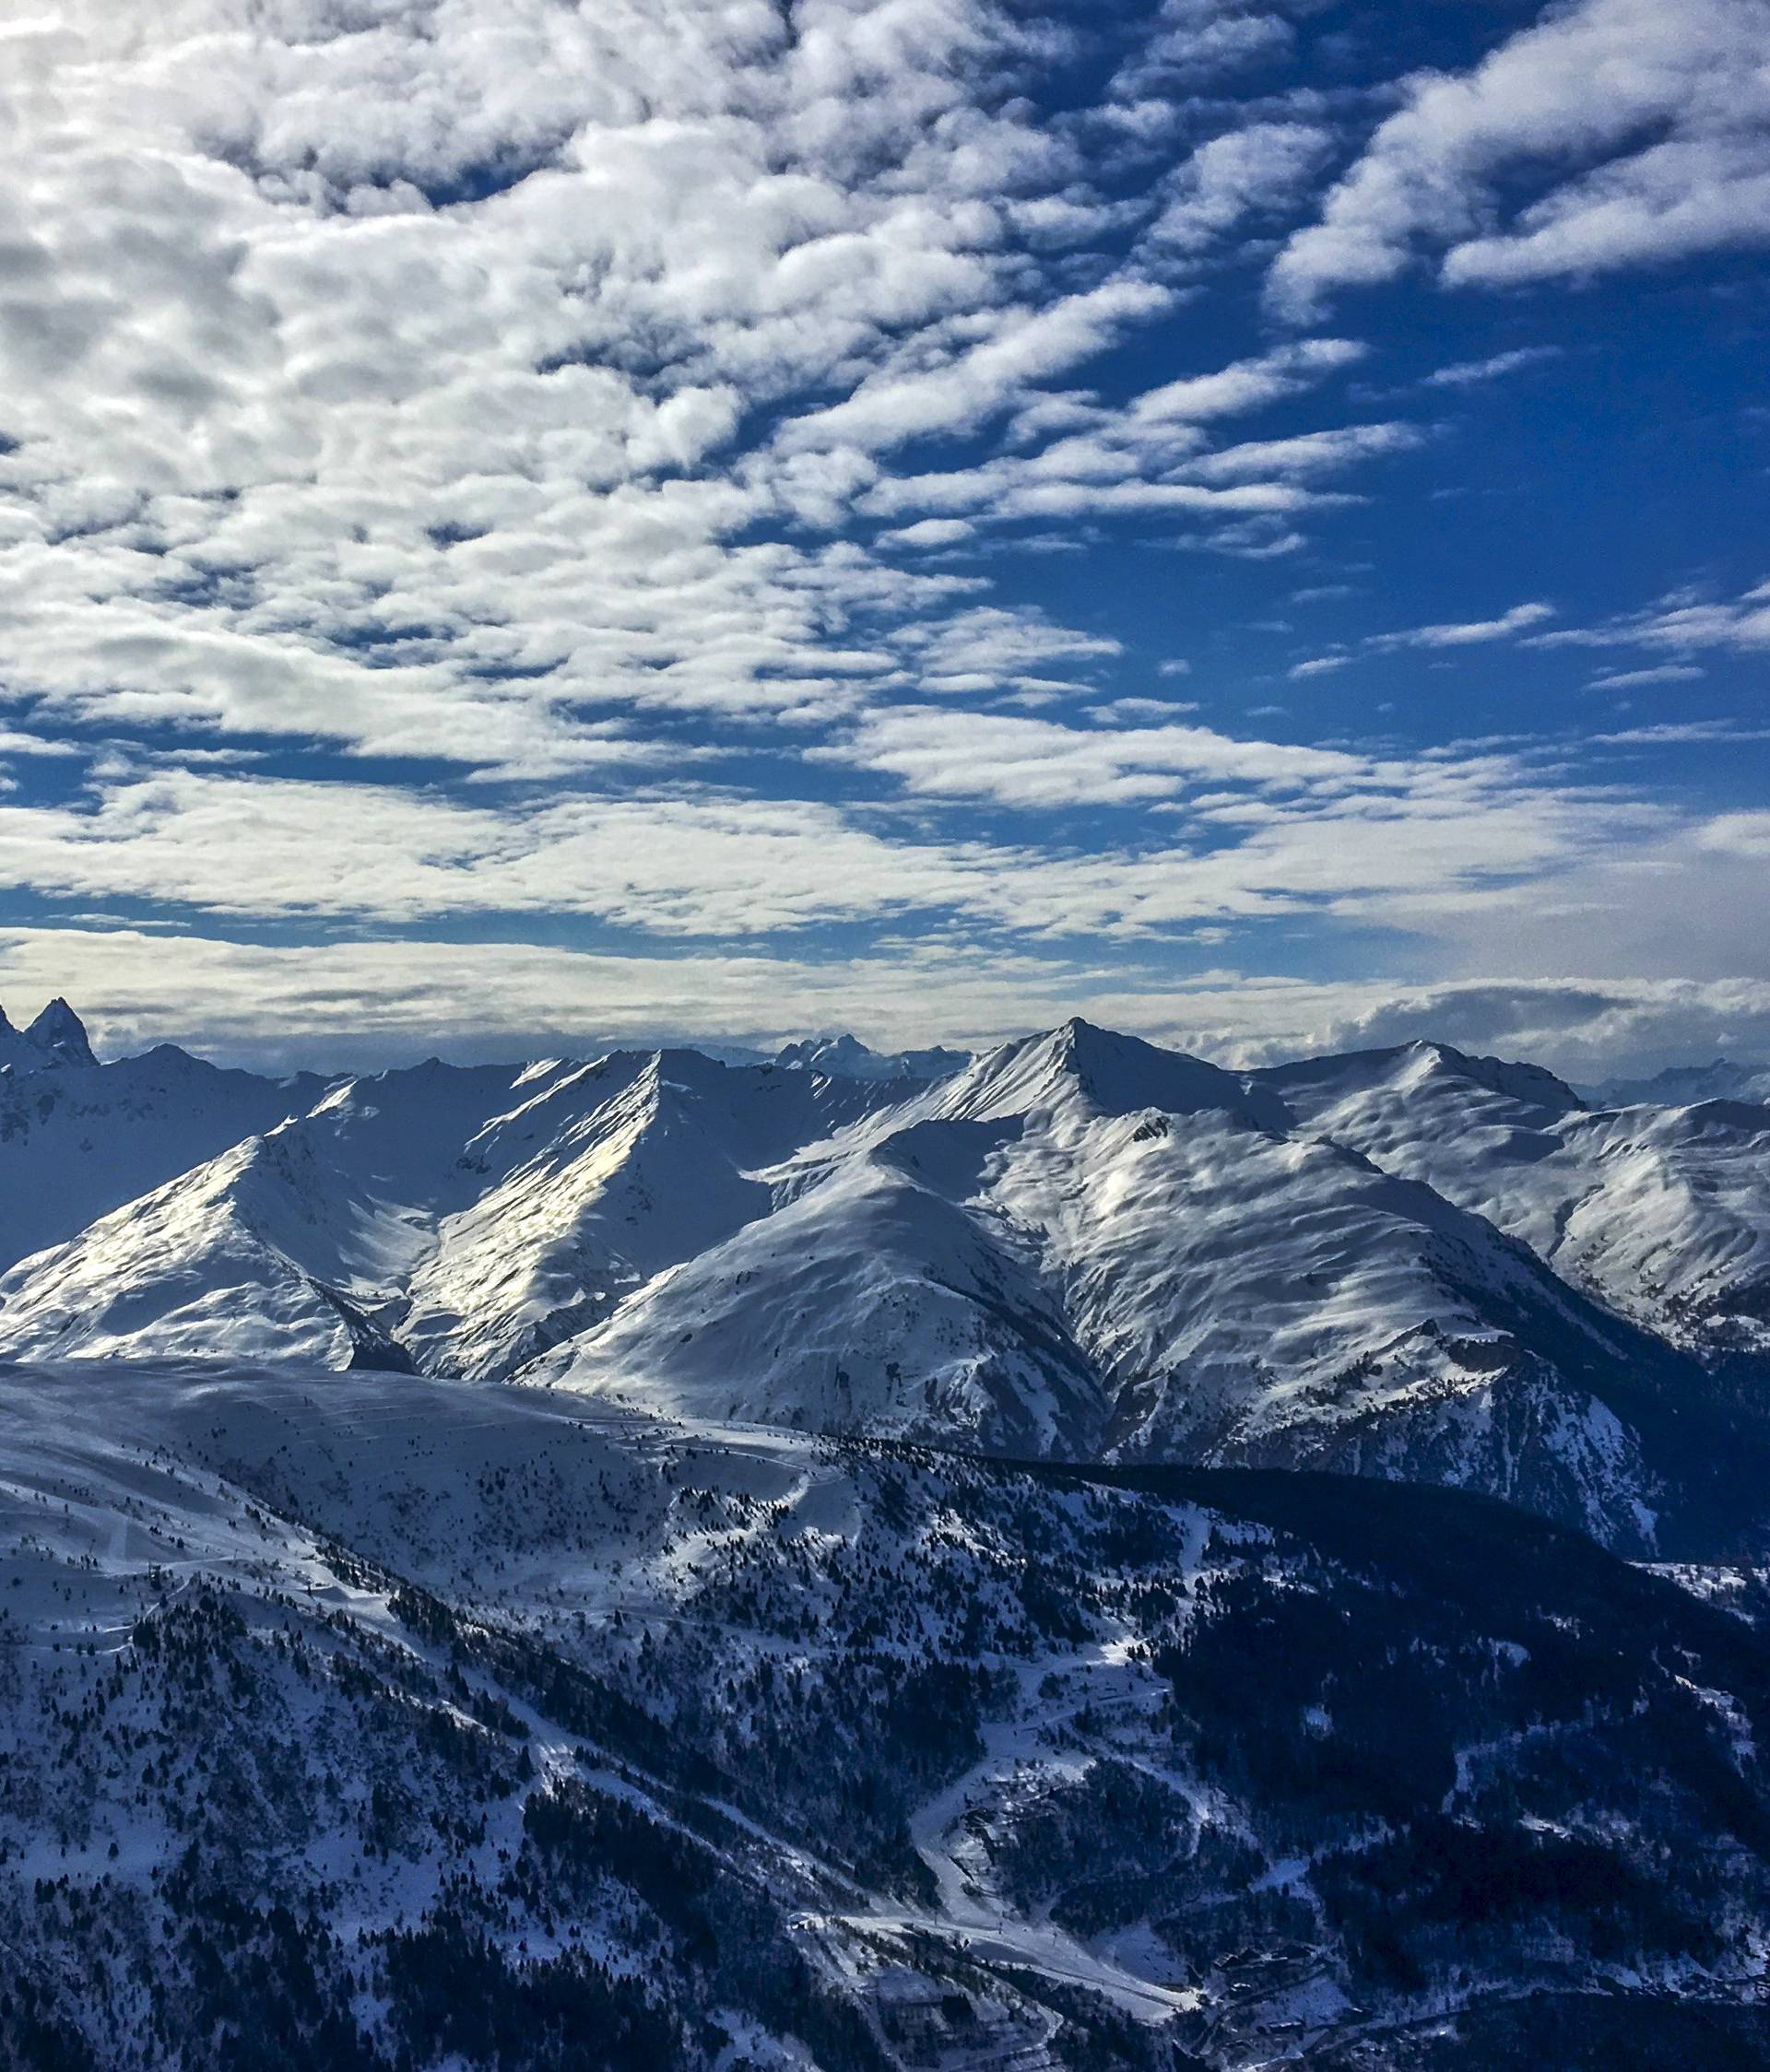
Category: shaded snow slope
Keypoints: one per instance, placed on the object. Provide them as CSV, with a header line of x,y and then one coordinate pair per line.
x,y
1662,1213
263,1254
76,1144
381,1721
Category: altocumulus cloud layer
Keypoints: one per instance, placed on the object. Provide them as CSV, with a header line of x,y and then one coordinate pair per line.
x,y
525,519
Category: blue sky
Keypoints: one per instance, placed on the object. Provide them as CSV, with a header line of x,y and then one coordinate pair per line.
x,y
522,526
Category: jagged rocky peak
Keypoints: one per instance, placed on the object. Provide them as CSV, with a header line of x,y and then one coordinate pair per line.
x,y
61,1033
56,1037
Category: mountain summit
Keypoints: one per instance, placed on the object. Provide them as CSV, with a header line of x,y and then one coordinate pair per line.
x,y
60,1035
56,1037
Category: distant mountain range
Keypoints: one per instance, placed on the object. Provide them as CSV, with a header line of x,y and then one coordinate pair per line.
x,y
1407,1263
1680,1084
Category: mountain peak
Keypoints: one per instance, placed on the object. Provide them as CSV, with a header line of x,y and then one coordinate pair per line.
x,y
1116,1074
60,1035
1532,1084
845,1057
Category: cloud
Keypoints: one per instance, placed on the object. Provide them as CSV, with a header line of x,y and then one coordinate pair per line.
x,y
1737,834
357,1005
1475,633
484,465
1633,679
1676,734
1247,171
1586,1030
1611,133
485,382
1684,623
1036,762
1682,899
1255,829
675,863
1473,373
1023,347
1154,453
1258,828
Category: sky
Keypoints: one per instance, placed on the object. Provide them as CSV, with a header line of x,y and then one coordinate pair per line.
x,y
526,525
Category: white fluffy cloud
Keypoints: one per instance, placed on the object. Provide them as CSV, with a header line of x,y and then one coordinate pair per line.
x,y
1637,131
481,381
477,460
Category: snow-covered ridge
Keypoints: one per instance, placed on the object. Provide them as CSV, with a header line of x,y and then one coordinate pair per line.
x,y
1411,1262
1680,1086
845,1056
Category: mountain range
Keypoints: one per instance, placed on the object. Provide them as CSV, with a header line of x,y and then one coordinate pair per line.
x,y
1069,1556
1406,1263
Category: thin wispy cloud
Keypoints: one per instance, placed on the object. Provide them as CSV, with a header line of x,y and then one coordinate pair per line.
x,y
1473,373
1475,632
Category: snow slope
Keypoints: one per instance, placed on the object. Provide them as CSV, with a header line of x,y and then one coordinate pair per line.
x,y
463,1218
378,1721
1086,1243
601,1179
1663,1213
76,1142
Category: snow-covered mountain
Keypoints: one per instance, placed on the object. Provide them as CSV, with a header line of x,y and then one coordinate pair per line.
x,y
464,1216
78,1138
1662,1213
56,1037
1409,1263
1680,1086
379,1722
845,1057
477,1489
1086,1244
